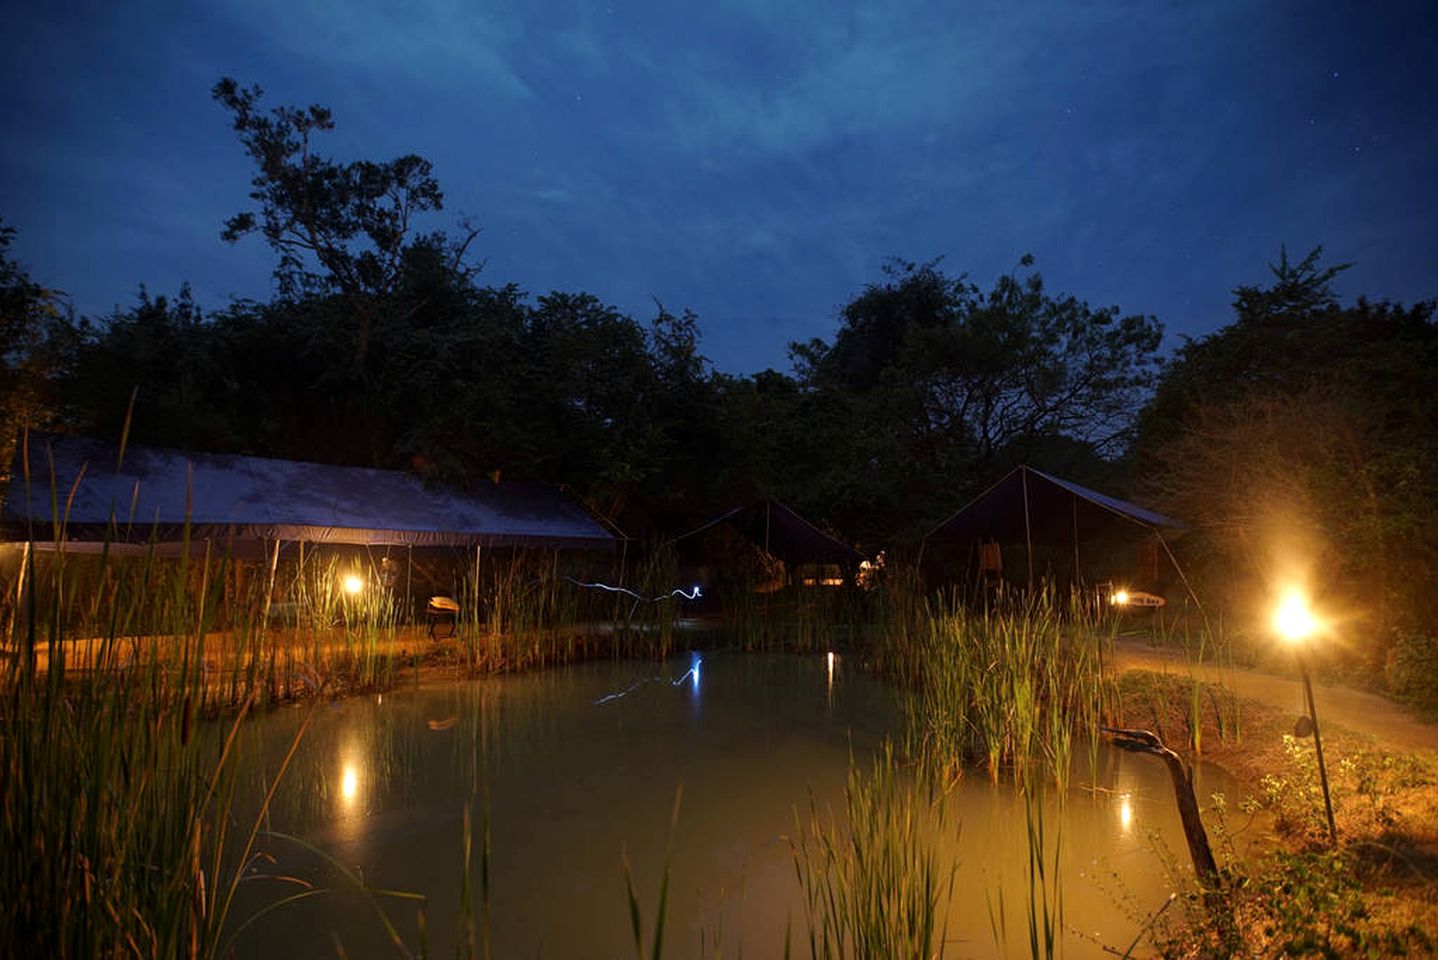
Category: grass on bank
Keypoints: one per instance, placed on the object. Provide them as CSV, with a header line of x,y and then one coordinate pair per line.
x,y
1375,895
116,834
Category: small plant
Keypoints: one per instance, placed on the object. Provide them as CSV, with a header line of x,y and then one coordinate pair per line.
x,y
1293,795
636,914
1043,900
1299,904
874,882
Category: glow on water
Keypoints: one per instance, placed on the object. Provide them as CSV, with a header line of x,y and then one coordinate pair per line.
x,y
349,784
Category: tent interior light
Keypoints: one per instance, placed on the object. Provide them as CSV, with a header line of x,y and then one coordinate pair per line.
x,y
353,583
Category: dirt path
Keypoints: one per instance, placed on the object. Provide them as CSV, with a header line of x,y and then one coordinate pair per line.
x,y
1368,713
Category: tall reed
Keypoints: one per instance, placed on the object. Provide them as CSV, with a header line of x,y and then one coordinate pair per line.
x,y
115,802
1013,686
875,883
1209,658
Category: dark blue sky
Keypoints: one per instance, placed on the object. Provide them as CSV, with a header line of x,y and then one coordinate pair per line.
x,y
755,161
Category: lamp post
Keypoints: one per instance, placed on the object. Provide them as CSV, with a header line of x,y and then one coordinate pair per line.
x,y
1295,623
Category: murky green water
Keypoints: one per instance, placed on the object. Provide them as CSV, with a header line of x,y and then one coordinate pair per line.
x,y
579,768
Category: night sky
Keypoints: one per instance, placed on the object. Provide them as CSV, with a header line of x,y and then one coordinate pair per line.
x,y
754,161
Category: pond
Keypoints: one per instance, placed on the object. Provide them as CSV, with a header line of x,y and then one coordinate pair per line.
x,y
578,769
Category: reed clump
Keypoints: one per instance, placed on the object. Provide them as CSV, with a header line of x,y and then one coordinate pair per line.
x,y
116,833
1015,685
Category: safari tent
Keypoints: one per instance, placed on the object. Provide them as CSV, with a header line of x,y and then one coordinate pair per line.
x,y
168,496
1031,525
80,495
766,546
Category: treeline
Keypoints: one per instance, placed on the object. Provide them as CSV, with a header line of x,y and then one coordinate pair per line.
x,y
1303,432
382,347
929,388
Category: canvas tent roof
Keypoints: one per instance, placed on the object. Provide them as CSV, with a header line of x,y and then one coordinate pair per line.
x,y
1056,508
257,498
782,533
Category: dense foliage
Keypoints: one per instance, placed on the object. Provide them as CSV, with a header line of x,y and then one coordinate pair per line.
x,y
1299,440
383,348
33,336
935,383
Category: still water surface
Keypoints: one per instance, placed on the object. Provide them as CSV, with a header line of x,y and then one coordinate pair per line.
x,y
579,769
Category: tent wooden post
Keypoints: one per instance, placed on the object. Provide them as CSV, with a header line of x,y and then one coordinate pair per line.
x,y
1077,579
768,509
1028,530
475,602
623,565
408,582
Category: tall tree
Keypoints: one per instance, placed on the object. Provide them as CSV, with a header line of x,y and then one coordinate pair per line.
x,y
950,383
338,227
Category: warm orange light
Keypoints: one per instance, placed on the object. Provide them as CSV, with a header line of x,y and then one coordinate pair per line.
x,y
1293,620
1120,598
349,784
353,583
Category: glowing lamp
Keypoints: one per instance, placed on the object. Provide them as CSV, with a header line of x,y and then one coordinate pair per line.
x,y
1120,598
1293,620
353,584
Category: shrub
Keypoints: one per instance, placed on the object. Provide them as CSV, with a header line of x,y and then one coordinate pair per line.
x,y
1412,669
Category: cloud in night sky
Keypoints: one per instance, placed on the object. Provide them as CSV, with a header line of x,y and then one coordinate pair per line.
x,y
754,161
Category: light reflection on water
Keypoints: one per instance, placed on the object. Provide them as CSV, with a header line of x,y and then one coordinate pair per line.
x,y
575,781
349,785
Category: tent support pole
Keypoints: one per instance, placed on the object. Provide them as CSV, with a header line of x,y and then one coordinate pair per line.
x,y
768,511
623,565
1077,579
408,582
1028,531
1182,576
